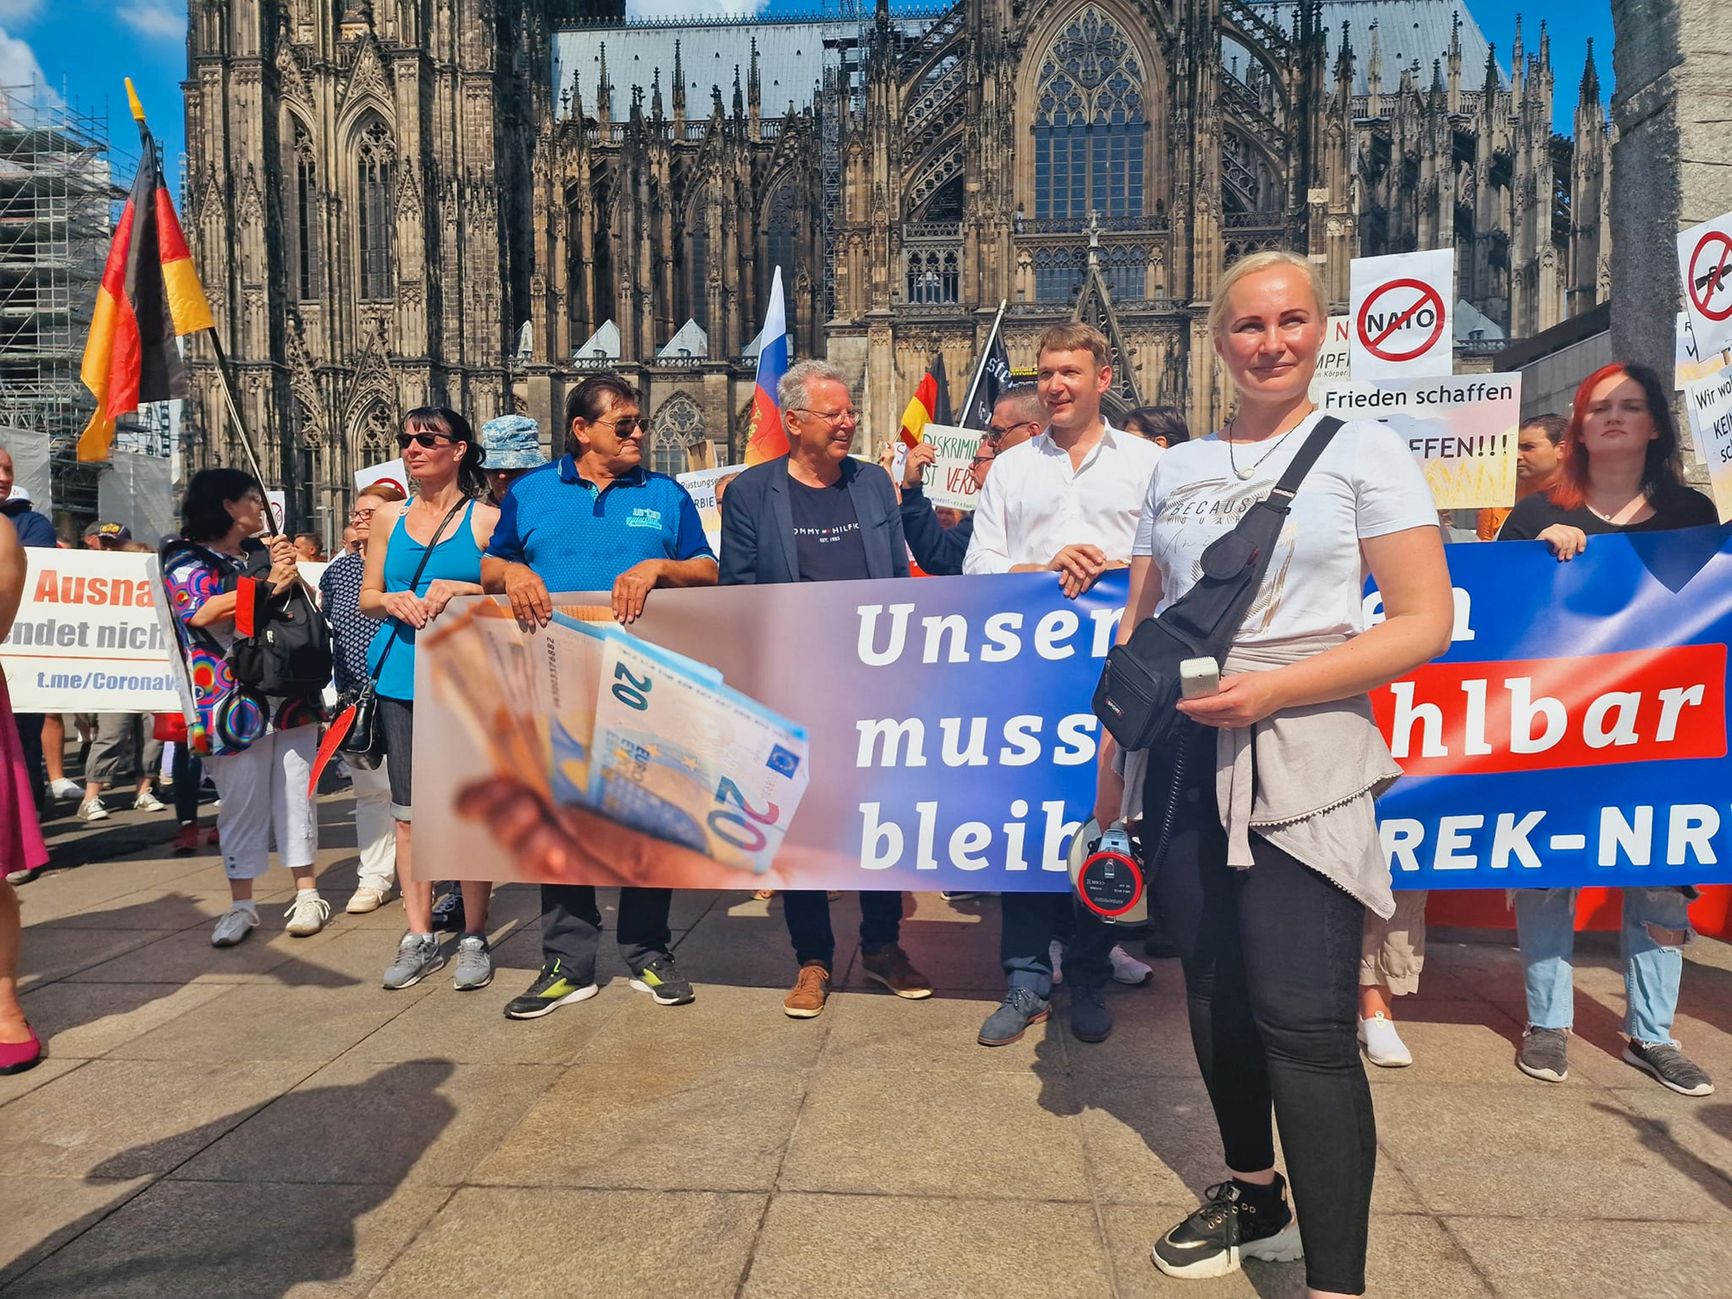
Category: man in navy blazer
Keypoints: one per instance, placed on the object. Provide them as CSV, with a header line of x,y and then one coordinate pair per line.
x,y
818,515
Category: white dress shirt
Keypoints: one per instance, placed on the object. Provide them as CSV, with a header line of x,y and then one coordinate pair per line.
x,y
1034,504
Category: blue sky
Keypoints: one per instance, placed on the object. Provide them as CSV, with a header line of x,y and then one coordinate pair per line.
x,y
81,49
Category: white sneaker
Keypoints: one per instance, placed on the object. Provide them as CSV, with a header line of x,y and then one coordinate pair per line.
x,y
1055,957
92,809
366,898
1128,969
308,913
148,802
1383,1045
64,788
236,923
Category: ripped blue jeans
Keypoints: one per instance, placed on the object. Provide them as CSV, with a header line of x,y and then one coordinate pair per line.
x,y
1656,927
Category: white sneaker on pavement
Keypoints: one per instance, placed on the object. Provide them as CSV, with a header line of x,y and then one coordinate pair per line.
x,y
1383,1045
236,923
1128,969
307,914
64,788
92,809
366,898
148,802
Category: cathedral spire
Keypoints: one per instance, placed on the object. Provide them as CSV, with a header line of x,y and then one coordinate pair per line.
x,y
603,91
1590,92
739,97
1517,58
754,98
1344,65
1374,72
656,95
1545,47
679,89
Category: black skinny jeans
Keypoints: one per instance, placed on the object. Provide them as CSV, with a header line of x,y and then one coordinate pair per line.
x,y
807,912
1271,960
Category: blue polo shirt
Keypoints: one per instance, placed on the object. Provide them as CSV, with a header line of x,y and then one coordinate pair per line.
x,y
580,538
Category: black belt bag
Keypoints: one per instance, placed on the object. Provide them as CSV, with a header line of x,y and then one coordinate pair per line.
x,y
1137,694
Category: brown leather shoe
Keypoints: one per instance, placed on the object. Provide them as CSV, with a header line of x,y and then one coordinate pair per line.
x,y
891,968
811,991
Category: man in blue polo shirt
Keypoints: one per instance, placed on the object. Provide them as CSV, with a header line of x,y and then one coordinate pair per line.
x,y
597,520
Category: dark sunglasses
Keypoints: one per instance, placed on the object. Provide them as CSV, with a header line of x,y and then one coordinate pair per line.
x,y
427,441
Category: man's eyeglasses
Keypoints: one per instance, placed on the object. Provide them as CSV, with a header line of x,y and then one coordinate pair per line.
x,y
833,418
623,428
997,433
984,457
426,441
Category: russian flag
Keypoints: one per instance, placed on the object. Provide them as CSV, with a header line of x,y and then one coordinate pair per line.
x,y
765,437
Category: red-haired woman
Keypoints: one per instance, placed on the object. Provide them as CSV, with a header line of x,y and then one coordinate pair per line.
x,y
1619,474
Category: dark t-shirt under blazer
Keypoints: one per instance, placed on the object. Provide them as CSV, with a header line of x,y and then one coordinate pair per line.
x,y
1683,507
762,541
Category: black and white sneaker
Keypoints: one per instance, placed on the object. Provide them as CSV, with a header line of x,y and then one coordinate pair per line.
x,y
1236,1221
1670,1067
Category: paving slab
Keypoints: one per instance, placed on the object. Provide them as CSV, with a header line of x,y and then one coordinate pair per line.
x,y
253,1021
1597,1259
561,1243
842,1246
43,1213
84,1020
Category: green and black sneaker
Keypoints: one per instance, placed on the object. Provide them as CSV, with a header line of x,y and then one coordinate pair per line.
x,y
548,993
662,979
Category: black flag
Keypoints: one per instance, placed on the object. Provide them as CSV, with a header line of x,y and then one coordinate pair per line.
x,y
995,377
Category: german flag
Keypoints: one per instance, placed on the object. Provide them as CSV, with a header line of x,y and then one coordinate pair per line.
x,y
929,405
150,295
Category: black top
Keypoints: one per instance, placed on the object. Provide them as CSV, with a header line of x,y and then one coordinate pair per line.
x,y
937,549
826,532
1683,507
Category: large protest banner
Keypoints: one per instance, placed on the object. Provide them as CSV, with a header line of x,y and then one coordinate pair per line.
x,y
87,638
1575,733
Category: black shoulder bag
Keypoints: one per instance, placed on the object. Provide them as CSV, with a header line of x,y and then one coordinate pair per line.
x,y
362,742
1139,686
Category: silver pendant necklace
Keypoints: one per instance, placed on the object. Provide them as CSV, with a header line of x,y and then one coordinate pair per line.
x,y
1244,475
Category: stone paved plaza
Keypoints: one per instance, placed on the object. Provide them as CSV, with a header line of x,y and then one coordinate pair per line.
x,y
266,1121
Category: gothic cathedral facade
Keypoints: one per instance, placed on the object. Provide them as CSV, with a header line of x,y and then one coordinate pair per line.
x,y
474,202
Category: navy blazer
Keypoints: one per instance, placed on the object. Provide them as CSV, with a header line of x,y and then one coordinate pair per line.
x,y
758,524
937,549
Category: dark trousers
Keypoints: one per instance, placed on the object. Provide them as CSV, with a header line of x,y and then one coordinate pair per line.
x,y
571,927
188,773
1271,961
808,914
1031,922
30,740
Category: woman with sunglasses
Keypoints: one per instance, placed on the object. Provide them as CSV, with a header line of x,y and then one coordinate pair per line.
x,y
421,553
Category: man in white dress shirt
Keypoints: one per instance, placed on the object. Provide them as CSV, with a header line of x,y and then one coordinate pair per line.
x,y
1067,501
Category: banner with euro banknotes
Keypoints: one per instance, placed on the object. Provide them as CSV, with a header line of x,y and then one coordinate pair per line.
x,y
936,734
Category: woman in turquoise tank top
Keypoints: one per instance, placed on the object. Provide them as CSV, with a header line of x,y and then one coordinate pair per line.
x,y
420,554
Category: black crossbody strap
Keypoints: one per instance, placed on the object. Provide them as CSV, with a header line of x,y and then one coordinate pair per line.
x,y
421,568
1315,445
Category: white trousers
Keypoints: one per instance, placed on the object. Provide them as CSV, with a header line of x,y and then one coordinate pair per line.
x,y
264,788
375,827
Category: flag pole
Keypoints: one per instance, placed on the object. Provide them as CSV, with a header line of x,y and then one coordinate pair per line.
x,y
980,369
225,383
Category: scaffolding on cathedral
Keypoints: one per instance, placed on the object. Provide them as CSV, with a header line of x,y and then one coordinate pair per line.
x,y
57,200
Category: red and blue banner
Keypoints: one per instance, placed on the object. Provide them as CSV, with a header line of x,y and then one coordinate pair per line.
x,y
1573,734
765,437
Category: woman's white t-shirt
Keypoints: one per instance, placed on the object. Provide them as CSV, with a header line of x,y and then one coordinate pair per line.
x,y
1366,484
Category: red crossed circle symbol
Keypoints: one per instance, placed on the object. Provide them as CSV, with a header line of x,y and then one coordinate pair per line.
x,y
1704,284
1427,296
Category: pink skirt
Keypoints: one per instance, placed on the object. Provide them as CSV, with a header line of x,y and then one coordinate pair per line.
x,y
21,846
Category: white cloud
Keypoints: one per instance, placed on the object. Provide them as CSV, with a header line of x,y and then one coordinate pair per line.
x,y
19,67
695,9
154,18
15,13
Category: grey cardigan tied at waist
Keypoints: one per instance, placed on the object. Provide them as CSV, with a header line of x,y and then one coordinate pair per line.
x,y
1306,779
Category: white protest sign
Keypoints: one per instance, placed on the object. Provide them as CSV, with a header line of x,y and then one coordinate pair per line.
x,y
390,472
705,486
1690,363
1708,402
950,480
278,502
1332,360
87,638
1401,316
1705,262
1461,429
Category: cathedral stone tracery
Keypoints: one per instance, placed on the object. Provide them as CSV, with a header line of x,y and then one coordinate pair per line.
x,y
478,202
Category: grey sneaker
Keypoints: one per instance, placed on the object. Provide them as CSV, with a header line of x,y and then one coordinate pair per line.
x,y
1090,1020
1670,1067
1005,1025
474,964
1544,1054
92,809
418,955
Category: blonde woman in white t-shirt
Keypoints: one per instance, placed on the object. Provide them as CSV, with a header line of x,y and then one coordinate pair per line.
x,y
1265,895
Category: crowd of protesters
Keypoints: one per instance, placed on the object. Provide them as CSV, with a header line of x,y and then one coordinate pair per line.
x,y
1292,945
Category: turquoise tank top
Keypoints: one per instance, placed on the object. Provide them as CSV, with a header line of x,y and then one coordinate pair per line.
x,y
456,559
